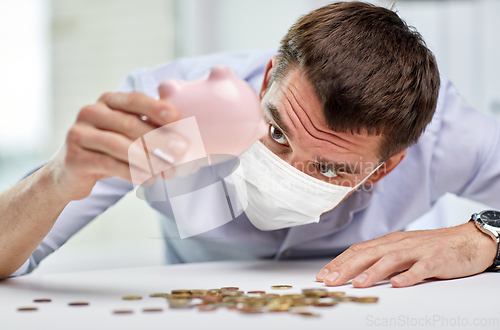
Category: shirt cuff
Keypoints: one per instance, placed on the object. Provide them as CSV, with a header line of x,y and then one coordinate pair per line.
x,y
22,270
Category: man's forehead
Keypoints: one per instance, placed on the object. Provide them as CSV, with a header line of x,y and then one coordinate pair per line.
x,y
295,107
296,86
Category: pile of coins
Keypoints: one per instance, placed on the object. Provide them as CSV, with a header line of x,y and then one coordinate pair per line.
x,y
251,302
255,302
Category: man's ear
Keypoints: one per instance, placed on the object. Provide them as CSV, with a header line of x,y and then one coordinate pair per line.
x,y
267,76
387,167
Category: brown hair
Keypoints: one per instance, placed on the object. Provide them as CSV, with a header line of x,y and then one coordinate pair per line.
x,y
370,71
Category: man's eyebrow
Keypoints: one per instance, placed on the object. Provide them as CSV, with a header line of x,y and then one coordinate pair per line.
x,y
341,166
276,116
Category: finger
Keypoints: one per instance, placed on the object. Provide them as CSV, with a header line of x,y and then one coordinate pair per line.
x,y
358,247
116,146
167,143
330,269
157,111
355,265
102,117
108,167
392,262
172,145
421,270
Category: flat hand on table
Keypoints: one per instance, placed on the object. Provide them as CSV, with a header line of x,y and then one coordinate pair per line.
x,y
442,253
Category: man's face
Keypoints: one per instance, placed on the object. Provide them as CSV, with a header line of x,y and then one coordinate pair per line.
x,y
298,134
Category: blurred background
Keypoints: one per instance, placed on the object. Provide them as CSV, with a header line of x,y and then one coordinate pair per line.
x,y
58,56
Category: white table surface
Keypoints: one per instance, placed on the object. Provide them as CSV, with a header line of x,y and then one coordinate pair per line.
x,y
453,304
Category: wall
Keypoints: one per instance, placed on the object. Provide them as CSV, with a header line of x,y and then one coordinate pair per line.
x,y
96,43
24,86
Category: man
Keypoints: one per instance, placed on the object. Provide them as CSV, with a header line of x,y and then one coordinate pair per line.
x,y
347,97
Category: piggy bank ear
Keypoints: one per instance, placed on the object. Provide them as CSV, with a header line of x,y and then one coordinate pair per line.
x,y
221,72
169,88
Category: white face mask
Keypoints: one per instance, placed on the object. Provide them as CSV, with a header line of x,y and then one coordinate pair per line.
x,y
276,195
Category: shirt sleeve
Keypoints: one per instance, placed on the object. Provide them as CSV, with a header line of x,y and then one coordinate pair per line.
x,y
466,158
75,216
79,213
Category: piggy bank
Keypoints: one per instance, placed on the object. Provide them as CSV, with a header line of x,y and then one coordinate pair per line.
x,y
227,110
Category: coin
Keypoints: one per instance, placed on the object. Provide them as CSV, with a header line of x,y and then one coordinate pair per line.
x,y
131,297
325,302
42,300
236,299
314,289
159,295
254,302
180,291
180,296
345,299
212,298
366,300
198,293
233,293
230,288
27,309
214,291
250,310
306,301
148,310
308,314
281,287
270,296
315,292
78,303
123,311
335,294
180,303
256,292
281,304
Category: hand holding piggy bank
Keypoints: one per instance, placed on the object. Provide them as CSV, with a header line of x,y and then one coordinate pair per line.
x,y
227,110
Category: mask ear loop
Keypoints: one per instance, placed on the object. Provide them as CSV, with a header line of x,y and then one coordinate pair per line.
x,y
368,176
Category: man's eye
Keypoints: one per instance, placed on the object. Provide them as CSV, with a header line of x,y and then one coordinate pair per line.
x,y
326,171
277,135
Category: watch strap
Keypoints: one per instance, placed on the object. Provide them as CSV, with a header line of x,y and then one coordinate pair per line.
x,y
496,262
495,267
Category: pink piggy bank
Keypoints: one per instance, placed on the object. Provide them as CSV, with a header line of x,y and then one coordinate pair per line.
x,y
226,108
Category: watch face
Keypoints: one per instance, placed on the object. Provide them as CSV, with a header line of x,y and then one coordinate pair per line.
x,y
491,218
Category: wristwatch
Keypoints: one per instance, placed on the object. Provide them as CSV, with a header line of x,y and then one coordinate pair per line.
x,y
489,223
